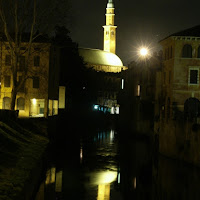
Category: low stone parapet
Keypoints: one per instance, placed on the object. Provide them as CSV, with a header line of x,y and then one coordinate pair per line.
x,y
8,114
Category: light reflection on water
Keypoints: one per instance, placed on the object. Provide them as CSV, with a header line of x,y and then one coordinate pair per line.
x,y
100,165
111,168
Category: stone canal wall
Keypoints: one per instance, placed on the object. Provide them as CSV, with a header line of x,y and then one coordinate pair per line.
x,y
180,141
22,155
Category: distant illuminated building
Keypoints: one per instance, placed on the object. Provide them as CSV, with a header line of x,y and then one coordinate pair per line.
x,y
101,60
110,28
106,61
38,95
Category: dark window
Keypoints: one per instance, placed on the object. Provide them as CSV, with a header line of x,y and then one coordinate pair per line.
x,y
37,49
168,108
164,77
22,48
171,52
36,82
6,81
21,63
168,53
21,89
36,61
187,51
8,60
20,103
193,76
198,53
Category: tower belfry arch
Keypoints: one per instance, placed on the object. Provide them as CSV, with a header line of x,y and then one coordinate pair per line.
x,y
110,28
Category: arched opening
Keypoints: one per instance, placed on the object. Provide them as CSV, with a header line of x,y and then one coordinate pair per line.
x,y
192,108
20,103
6,102
187,51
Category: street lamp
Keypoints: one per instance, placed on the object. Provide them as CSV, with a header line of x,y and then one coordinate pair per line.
x,y
143,52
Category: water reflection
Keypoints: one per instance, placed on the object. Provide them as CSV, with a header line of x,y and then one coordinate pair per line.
x,y
103,192
99,165
51,187
58,186
106,167
50,176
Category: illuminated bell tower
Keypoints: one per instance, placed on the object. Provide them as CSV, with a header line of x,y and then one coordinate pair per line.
x,y
110,29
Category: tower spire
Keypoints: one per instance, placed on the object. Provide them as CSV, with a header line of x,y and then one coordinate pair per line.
x,y
110,4
110,28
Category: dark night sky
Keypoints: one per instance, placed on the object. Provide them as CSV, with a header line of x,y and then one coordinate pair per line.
x,y
139,22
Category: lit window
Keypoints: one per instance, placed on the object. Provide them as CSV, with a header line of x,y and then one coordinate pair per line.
x,y
96,107
122,84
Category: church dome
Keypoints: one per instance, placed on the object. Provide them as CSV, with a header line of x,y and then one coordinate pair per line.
x,y
100,57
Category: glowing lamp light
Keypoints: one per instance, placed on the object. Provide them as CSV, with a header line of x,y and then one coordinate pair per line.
x,y
34,101
107,177
96,107
143,51
103,177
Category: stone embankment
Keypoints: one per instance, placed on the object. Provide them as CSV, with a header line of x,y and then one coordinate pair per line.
x,y
22,151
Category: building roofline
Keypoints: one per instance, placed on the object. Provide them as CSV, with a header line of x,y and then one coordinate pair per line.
x,y
191,32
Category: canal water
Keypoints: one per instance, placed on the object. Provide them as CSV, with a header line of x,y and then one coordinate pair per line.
x,y
104,166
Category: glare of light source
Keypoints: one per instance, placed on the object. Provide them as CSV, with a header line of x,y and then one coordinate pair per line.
x,y
34,101
105,177
143,51
96,107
